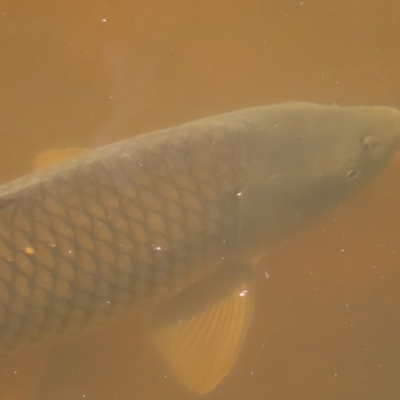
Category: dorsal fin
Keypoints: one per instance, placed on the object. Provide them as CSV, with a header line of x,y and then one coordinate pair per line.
x,y
56,156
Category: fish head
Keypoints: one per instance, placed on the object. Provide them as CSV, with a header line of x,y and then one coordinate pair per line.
x,y
350,147
317,157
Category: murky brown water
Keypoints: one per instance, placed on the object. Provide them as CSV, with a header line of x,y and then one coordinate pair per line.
x,y
83,74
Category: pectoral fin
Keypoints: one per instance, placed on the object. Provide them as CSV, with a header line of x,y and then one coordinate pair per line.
x,y
200,332
20,377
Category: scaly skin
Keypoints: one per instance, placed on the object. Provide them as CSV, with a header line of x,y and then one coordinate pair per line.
x,y
132,223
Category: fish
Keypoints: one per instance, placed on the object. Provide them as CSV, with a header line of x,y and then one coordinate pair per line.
x,y
175,222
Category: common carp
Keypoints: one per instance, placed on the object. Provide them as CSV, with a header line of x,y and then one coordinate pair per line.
x,y
175,221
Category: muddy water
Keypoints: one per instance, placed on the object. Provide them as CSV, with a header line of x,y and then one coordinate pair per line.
x,y
88,73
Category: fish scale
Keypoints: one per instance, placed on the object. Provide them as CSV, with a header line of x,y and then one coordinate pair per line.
x,y
177,220
102,237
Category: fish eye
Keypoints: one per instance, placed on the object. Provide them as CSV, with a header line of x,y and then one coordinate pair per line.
x,y
352,174
368,143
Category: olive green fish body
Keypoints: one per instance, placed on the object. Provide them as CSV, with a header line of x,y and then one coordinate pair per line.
x,y
139,221
113,230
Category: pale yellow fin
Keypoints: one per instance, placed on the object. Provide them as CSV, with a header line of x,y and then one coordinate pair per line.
x,y
51,157
200,332
20,376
